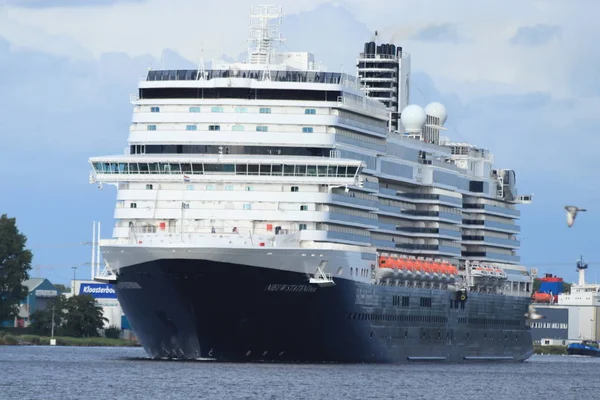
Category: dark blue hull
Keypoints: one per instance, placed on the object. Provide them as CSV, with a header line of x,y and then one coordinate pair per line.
x,y
202,309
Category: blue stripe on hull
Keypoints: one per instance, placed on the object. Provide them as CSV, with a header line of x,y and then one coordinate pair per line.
x,y
202,309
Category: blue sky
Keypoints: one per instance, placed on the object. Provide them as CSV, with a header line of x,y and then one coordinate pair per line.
x,y
525,85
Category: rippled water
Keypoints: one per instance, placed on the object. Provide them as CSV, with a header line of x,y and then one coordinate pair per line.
x,y
40,372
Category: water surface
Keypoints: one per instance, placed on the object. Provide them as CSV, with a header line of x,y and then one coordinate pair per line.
x,y
44,372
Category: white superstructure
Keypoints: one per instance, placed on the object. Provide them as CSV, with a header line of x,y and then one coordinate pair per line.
x,y
278,153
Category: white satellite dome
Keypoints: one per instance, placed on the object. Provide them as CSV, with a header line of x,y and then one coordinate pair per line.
x,y
437,110
413,118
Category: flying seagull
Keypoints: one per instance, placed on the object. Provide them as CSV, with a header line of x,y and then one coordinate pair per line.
x,y
572,213
532,314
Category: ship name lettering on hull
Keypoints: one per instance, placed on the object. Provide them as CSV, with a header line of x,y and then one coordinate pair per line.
x,y
277,287
366,297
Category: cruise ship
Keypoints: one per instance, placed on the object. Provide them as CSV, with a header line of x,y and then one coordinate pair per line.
x,y
271,210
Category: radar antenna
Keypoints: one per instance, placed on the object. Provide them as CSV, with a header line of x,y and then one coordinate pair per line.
x,y
264,35
581,267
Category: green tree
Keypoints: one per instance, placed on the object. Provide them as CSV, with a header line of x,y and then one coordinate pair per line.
x,y
83,317
41,320
536,284
112,332
15,263
61,288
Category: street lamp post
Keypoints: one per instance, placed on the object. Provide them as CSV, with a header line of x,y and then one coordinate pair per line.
x,y
52,329
74,278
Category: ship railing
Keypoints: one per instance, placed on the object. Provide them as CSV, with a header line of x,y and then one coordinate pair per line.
x,y
172,235
373,106
402,54
339,78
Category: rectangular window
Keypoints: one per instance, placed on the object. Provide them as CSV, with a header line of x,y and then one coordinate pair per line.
x,y
191,128
154,109
214,127
264,110
302,227
405,301
216,109
237,128
426,302
229,187
307,129
190,187
151,127
294,189
303,208
248,188
310,111
262,128
133,205
247,206
149,187
195,109
241,109
210,187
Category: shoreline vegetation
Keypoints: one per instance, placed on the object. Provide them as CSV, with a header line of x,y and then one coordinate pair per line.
x,y
549,350
35,340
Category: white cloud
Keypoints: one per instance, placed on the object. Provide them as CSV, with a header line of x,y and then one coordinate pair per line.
x,y
149,27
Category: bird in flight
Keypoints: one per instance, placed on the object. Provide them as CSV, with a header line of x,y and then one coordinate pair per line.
x,y
572,213
532,313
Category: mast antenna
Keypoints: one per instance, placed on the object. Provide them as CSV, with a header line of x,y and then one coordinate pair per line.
x,y
201,72
264,36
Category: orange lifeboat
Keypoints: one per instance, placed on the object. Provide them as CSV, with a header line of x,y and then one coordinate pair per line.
x,y
451,269
432,267
542,297
444,268
419,266
410,265
401,265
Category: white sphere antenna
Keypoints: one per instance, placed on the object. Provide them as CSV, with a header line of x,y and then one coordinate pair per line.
x,y
437,110
413,118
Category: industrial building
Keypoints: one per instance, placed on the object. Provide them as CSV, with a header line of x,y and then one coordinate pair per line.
x,y
40,292
106,297
568,317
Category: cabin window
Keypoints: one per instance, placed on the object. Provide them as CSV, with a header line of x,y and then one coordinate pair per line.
x,y
154,109
310,111
191,128
194,109
307,129
217,109
262,128
151,127
264,110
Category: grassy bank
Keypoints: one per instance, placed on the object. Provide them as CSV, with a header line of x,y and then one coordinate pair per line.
x,y
554,350
64,341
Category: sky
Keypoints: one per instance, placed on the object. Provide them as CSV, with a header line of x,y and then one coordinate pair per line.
x,y
519,78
